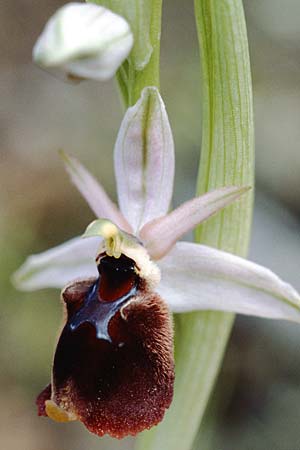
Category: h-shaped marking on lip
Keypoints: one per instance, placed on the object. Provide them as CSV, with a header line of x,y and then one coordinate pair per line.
x,y
99,313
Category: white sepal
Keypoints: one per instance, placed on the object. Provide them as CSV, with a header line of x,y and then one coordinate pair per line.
x,y
144,160
196,277
58,266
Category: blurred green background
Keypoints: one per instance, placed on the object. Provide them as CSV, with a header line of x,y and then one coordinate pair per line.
x,y
256,403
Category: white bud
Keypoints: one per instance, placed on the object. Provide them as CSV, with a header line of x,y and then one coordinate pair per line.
x,y
84,41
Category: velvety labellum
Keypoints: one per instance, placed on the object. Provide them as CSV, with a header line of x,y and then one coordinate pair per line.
x,y
113,366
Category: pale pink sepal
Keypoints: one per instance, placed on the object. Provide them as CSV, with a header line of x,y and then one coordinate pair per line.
x,y
144,160
196,277
161,234
58,266
93,193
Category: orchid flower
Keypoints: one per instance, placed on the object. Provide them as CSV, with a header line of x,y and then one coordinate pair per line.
x,y
113,366
84,41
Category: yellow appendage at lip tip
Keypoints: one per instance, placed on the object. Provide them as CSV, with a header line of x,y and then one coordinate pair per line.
x,y
58,414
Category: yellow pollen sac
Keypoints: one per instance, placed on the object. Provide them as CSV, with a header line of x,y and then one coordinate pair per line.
x,y
58,414
112,235
117,242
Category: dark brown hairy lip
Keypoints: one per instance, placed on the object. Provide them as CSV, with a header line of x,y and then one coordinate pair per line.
x,y
113,370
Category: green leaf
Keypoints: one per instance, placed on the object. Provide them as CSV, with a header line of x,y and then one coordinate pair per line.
x,y
227,158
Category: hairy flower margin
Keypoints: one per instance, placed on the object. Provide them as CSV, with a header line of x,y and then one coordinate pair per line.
x,y
187,276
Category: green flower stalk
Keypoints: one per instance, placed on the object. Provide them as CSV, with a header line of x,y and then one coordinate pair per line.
x,y
141,69
101,38
227,157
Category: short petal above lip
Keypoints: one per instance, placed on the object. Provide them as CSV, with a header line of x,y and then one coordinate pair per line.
x,y
94,193
196,277
144,160
59,265
161,234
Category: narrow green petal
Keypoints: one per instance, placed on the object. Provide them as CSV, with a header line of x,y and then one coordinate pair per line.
x,y
93,192
161,234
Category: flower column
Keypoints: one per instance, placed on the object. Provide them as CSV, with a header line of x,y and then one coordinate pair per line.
x,y
227,158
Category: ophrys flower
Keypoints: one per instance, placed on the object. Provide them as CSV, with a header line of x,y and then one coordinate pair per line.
x,y
113,367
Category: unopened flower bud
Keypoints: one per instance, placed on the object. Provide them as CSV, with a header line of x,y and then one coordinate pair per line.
x,y
84,41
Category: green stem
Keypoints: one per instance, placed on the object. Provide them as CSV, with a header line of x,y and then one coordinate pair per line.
x,y
138,78
141,69
227,158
